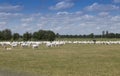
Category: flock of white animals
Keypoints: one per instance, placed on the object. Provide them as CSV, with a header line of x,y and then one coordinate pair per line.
x,y
33,44
36,44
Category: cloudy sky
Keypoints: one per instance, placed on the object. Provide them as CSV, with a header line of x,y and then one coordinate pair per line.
x,y
60,16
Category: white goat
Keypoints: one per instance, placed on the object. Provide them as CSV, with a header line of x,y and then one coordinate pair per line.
x,y
8,48
35,46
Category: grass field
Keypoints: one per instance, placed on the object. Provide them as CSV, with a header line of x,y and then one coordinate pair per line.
x,y
67,60
81,39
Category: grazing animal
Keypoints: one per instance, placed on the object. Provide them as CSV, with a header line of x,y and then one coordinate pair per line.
x,y
34,46
14,45
49,44
24,45
8,48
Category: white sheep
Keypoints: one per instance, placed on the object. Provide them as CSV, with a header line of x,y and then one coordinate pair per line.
x,y
35,46
8,48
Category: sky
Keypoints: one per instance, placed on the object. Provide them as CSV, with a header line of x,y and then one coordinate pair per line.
x,y
61,16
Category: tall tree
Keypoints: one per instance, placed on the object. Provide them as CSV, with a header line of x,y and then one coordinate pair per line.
x,y
103,34
50,35
44,35
1,35
16,36
91,35
7,34
107,34
27,36
35,36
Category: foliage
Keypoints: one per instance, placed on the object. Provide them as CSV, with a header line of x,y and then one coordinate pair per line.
x,y
16,36
44,35
27,36
1,35
41,35
6,34
92,35
47,35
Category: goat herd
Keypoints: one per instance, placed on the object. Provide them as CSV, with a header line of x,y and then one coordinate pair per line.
x,y
35,44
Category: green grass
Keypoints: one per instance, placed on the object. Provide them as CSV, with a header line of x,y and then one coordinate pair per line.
x,y
67,60
81,39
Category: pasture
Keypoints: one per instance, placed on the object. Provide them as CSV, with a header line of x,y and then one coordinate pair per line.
x,y
85,39
66,60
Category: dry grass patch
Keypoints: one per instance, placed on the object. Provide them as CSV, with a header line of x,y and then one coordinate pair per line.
x,y
67,60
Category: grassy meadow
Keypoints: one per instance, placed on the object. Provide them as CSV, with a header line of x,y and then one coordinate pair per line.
x,y
66,60
84,39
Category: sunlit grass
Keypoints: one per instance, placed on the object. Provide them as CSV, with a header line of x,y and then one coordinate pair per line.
x,y
67,60
81,39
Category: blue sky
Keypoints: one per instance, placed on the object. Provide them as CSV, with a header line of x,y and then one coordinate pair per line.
x,y
60,16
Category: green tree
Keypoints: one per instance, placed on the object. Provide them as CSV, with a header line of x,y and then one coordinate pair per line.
x,y
91,35
44,35
27,36
50,35
1,35
35,36
103,34
111,35
107,34
58,35
41,35
7,34
16,36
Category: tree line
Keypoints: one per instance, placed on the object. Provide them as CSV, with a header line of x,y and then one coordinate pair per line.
x,y
105,34
40,35
47,35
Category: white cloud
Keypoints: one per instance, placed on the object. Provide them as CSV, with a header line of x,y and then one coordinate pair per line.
x,y
117,1
67,24
87,17
102,7
115,18
30,19
103,14
63,13
4,14
2,23
79,12
24,25
62,5
9,16
9,8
